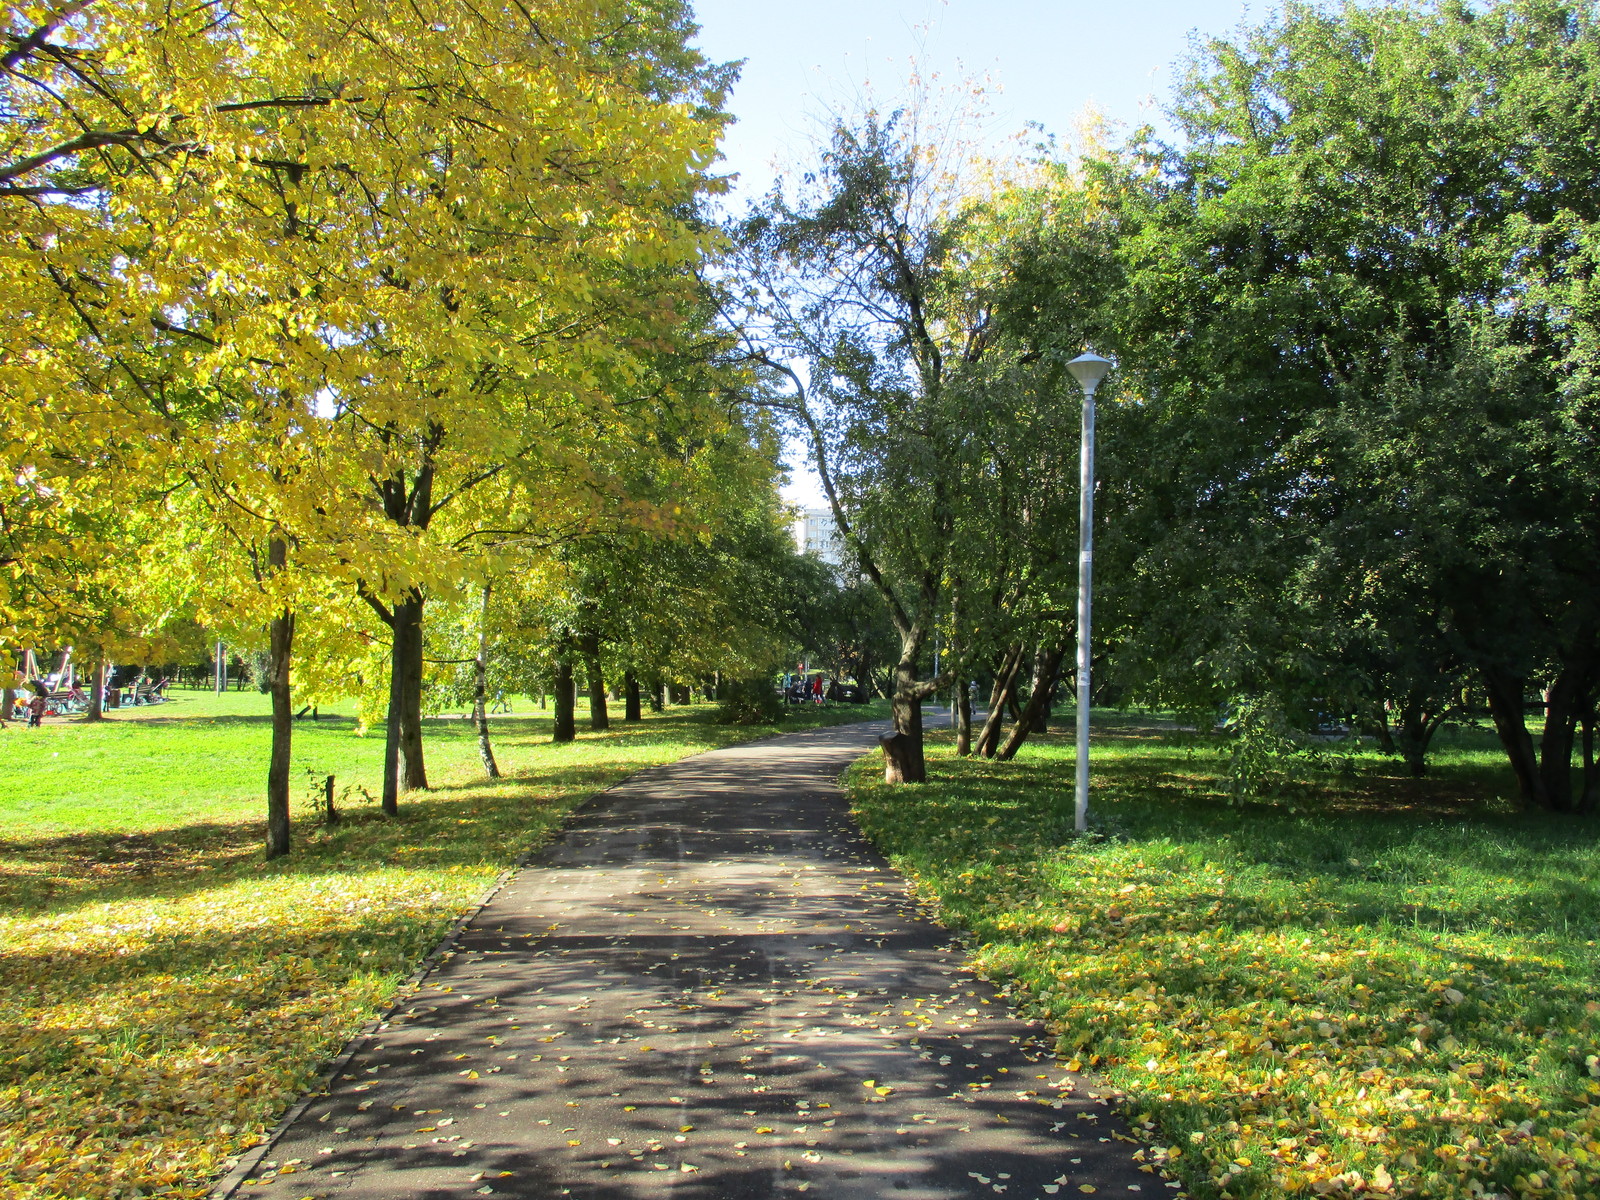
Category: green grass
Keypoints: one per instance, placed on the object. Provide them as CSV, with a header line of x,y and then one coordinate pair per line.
x,y
201,758
165,994
1370,985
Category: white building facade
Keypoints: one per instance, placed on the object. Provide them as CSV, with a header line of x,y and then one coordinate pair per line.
x,y
816,533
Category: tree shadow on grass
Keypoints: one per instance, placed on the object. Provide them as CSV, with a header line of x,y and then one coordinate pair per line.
x,y
461,822
1351,862
467,824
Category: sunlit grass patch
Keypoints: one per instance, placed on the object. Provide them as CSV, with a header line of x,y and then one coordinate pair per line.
x,y
165,994
1375,986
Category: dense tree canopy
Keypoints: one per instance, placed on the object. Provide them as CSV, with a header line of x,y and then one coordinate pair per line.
x,y
314,276
355,308
1348,465
1358,316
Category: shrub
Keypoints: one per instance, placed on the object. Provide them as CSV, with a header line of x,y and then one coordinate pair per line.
x,y
752,701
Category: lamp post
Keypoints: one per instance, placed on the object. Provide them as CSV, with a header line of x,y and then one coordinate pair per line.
x,y
1088,369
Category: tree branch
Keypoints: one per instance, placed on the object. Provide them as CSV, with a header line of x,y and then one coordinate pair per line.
x,y
385,614
36,40
902,619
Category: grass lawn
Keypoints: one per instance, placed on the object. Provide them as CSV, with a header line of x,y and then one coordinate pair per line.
x,y
1370,987
165,994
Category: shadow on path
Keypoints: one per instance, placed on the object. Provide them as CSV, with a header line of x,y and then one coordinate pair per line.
x,y
708,987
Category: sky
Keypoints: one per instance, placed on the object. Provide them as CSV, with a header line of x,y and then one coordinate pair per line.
x,y
1049,61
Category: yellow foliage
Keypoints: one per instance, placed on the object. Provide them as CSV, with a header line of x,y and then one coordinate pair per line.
x,y
269,251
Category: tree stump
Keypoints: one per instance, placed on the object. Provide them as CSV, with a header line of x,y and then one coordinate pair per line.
x,y
901,762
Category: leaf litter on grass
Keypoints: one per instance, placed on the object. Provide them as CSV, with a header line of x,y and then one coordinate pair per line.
x,y
165,996
1360,1005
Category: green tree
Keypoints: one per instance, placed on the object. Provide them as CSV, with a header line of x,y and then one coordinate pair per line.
x,y
858,352
1358,312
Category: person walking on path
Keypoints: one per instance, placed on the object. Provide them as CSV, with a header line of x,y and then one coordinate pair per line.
x,y
708,987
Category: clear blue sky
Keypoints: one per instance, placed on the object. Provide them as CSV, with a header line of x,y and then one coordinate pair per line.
x,y
1051,58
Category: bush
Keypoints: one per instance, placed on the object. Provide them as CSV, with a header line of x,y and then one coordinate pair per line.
x,y
751,701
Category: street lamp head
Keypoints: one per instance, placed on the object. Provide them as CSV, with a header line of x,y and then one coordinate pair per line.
x,y
1089,369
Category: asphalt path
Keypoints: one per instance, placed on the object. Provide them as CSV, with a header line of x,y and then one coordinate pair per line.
x,y
708,987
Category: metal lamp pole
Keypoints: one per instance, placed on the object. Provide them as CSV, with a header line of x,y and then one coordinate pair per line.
x,y
1088,369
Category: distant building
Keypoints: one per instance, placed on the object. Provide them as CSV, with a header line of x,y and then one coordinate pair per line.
x,y
816,533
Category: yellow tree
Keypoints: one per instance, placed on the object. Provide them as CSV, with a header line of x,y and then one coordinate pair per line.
x,y
404,242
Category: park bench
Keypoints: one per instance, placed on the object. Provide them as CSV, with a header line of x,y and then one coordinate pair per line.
x,y
60,703
145,692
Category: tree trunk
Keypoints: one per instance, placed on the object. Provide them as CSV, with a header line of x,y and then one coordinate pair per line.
x,y
1590,797
281,648
409,507
1014,695
12,669
657,703
413,771
630,697
1044,679
599,719
1564,704
1005,682
97,693
1505,706
566,721
902,758
403,767
1380,730
1038,702
391,736
963,718
906,763
1414,750
1415,731
480,690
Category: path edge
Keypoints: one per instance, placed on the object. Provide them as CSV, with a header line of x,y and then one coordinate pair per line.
x,y
247,1163
253,1157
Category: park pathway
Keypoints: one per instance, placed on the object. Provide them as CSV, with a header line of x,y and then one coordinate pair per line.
x,y
708,988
